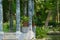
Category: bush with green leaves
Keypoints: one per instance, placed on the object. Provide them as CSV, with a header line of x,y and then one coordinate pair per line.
x,y
7,24
25,18
56,29
6,27
41,32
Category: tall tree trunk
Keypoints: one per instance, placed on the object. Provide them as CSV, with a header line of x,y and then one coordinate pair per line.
x,y
11,16
58,11
48,18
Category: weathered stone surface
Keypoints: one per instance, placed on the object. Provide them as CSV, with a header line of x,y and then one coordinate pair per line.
x,y
9,36
1,16
23,36
27,36
1,35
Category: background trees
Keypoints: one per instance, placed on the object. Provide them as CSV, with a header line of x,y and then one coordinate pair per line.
x,y
46,12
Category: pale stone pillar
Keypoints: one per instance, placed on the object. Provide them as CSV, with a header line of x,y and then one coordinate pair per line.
x,y
1,21
18,32
30,34
30,13
17,15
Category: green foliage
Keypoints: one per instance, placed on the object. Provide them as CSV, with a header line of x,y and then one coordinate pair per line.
x,y
41,32
6,27
25,19
14,6
53,23
56,29
41,7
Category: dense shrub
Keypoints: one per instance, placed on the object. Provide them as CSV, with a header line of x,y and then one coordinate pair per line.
x,y
6,27
41,32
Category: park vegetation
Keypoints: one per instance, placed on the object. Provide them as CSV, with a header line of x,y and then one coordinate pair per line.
x,y
46,14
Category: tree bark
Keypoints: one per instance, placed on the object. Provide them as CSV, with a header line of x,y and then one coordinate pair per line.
x,y
11,16
58,14
58,11
48,18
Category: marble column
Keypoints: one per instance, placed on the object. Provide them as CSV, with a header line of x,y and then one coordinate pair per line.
x,y
30,13
1,21
18,32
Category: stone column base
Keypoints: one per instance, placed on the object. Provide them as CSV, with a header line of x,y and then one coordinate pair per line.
x,y
25,36
1,35
18,33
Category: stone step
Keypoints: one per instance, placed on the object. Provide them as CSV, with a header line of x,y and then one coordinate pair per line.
x,y
10,39
23,36
10,36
